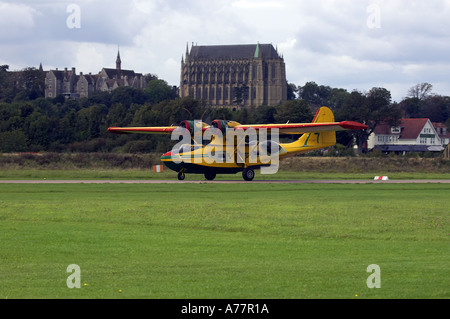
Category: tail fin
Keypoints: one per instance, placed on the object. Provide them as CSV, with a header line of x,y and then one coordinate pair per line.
x,y
324,115
316,140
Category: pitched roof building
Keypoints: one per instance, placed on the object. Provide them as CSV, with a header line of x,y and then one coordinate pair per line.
x,y
443,133
412,135
234,75
60,82
86,84
71,85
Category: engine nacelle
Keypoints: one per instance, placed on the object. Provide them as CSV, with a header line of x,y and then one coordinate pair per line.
x,y
223,125
188,125
191,126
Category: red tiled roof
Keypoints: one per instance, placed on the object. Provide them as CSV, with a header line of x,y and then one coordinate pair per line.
x,y
441,126
411,128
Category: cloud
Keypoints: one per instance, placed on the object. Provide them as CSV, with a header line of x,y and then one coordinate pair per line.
x,y
332,42
16,20
248,4
89,58
338,46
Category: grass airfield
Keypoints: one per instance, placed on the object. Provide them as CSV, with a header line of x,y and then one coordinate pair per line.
x,y
276,241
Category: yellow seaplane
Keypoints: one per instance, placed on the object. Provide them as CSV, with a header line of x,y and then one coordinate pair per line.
x,y
228,147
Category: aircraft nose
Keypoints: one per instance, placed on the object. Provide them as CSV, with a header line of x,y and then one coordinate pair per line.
x,y
172,164
167,155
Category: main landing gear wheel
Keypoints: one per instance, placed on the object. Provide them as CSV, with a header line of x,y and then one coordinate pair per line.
x,y
181,176
248,174
210,176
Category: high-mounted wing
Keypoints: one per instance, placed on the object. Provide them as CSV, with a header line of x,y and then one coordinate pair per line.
x,y
188,125
322,122
301,128
142,130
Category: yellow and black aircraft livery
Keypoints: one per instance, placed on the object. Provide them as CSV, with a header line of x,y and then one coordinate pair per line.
x,y
228,147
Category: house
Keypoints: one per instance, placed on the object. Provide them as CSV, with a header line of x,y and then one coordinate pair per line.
x,y
60,82
69,84
86,84
111,79
412,135
443,132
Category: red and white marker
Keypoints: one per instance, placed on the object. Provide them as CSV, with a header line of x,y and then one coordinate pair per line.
x,y
158,168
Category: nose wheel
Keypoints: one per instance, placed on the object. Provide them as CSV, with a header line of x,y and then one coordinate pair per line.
x,y
181,176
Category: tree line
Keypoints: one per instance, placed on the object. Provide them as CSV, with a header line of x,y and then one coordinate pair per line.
x,y
376,106
31,123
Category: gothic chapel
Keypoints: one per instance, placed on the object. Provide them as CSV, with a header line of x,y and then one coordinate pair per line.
x,y
234,75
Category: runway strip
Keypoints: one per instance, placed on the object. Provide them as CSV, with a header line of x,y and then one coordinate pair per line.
x,y
410,181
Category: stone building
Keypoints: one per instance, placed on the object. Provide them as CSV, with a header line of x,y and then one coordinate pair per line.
x,y
86,84
71,85
60,82
234,75
110,79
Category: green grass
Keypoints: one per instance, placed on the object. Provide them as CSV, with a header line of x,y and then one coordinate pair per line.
x,y
224,241
143,174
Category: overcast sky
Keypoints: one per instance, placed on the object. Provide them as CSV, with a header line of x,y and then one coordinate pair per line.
x,y
351,44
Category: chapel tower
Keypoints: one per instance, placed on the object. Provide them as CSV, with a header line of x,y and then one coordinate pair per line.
x,y
234,75
118,62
